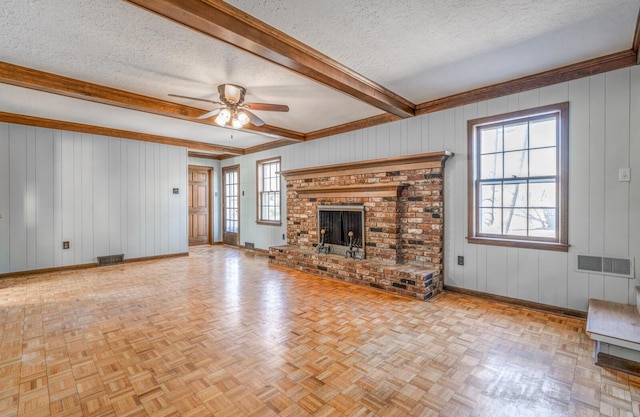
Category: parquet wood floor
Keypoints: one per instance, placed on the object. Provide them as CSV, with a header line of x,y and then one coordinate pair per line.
x,y
220,333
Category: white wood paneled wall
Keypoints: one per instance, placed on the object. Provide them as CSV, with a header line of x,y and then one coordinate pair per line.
x,y
104,195
604,214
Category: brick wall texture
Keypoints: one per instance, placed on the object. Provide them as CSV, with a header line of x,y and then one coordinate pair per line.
x,y
407,229
404,234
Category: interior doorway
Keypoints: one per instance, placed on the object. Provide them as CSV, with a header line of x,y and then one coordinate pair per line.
x,y
200,219
231,205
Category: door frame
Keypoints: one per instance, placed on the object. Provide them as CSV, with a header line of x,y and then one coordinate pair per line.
x,y
210,175
223,200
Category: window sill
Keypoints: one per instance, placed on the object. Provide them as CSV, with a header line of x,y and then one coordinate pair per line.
x,y
265,223
526,244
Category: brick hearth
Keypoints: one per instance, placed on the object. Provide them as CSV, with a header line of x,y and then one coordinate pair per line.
x,y
406,280
404,217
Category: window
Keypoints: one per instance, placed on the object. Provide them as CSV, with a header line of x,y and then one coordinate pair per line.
x,y
269,191
518,169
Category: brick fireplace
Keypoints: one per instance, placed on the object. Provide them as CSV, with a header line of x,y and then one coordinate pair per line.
x,y
403,201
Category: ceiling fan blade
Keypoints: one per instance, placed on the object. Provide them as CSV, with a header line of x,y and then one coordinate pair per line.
x,y
210,114
255,120
266,106
195,98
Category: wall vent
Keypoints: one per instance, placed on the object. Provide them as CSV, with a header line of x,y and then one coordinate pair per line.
x,y
623,267
110,260
249,246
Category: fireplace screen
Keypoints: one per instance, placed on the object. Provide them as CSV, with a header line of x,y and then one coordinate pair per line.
x,y
338,221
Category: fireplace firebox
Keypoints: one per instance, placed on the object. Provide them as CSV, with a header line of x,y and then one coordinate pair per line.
x,y
341,229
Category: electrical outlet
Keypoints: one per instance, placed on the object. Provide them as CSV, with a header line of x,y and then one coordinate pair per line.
x,y
65,245
461,260
624,174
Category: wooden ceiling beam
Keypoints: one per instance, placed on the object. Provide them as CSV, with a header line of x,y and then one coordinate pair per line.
x,y
582,69
117,133
69,87
351,126
204,155
224,22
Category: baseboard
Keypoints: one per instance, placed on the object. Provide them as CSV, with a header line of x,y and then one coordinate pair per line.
x,y
515,301
55,269
617,363
154,258
255,251
70,268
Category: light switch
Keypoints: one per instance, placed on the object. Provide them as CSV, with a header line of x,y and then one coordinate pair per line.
x,y
624,174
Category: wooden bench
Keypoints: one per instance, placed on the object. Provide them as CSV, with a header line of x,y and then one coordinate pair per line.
x,y
616,329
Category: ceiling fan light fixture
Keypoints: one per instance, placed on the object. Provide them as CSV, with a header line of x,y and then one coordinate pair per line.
x,y
223,117
234,111
243,118
235,123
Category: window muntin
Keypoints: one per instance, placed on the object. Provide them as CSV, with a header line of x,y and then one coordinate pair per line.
x,y
269,191
231,202
518,178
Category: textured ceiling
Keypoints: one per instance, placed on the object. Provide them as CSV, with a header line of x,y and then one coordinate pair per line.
x,y
427,49
421,50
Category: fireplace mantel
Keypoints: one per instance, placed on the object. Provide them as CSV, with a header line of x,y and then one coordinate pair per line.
x,y
423,160
357,190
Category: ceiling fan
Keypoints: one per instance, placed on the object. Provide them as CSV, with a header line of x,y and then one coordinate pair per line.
x,y
234,110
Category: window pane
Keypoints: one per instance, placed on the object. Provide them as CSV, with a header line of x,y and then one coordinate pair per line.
x,y
542,222
542,194
490,221
543,133
491,166
515,164
517,184
543,162
491,140
491,195
269,191
515,136
515,222
515,195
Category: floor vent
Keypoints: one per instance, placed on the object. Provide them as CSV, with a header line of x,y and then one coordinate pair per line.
x,y
622,267
249,246
110,260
